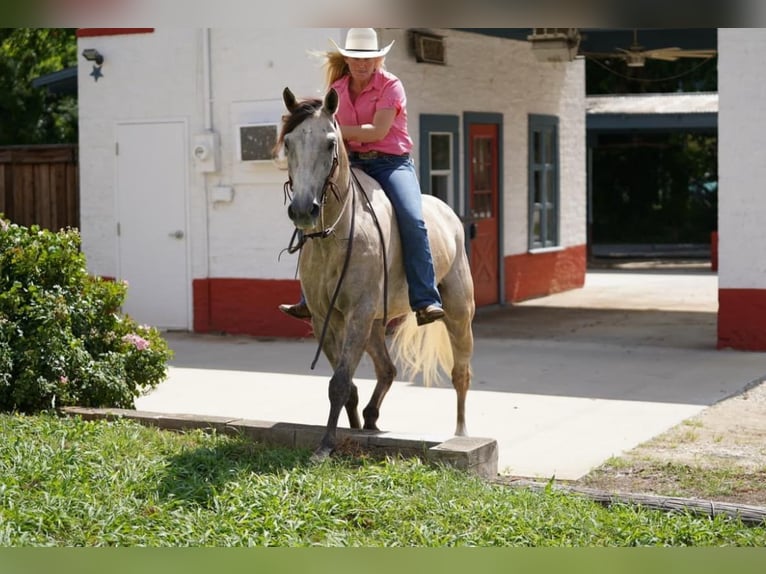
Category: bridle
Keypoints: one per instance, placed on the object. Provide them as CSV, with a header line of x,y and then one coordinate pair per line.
x,y
329,184
353,186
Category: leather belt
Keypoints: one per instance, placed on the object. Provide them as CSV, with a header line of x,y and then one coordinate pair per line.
x,y
363,155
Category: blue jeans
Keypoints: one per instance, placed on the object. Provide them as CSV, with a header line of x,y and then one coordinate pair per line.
x,y
397,177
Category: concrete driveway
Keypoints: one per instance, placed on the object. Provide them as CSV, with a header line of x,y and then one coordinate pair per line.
x,y
562,382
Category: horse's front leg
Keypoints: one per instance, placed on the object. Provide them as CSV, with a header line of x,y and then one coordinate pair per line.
x,y
342,391
354,421
339,394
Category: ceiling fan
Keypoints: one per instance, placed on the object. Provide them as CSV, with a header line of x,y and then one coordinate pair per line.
x,y
635,56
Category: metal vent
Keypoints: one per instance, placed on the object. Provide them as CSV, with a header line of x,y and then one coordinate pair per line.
x,y
429,48
255,142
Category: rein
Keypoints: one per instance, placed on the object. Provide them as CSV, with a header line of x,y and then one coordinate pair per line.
x,y
353,185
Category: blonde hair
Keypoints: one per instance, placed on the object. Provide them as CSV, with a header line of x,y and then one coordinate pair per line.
x,y
336,67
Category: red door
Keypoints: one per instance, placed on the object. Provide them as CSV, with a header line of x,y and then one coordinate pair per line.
x,y
483,205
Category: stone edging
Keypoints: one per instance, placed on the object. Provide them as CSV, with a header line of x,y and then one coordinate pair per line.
x,y
473,454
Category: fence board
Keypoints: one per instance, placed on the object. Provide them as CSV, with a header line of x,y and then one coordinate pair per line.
x,y
40,185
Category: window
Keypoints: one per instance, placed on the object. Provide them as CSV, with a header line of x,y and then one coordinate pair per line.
x,y
543,181
441,169
438,158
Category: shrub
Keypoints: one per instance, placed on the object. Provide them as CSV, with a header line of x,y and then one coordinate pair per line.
x,y
63,338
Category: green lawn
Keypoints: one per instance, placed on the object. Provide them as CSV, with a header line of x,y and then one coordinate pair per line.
x,y
68,482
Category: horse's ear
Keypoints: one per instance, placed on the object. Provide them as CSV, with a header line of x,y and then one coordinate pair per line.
x,y
289,98
331,101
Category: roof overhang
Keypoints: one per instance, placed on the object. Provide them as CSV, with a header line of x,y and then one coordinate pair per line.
x,y
62,82
659,112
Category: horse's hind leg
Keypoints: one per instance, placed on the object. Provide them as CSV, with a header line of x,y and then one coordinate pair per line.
x,y
351,404
461,337
457,296
384,373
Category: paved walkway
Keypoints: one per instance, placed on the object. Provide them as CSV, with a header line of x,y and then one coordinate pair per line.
x,y
562,382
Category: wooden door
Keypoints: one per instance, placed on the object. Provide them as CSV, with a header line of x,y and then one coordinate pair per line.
x,y
483,211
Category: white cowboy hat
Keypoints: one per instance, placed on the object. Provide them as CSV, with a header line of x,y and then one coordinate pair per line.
x,y
362,43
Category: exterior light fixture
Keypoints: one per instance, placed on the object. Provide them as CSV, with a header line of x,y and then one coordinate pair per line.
x,y
93,55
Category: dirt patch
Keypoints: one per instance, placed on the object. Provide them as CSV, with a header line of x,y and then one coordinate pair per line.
x,y
719,454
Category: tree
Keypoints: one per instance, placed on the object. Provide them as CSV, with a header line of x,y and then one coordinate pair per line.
x,y
33,115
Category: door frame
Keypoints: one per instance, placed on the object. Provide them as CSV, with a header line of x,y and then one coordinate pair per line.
x,y
186,198
470,118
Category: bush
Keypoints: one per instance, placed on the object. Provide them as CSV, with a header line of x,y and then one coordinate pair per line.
x,y
63,339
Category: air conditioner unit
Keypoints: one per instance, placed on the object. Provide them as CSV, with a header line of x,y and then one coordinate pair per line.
x,y
555,44
428,47
255,142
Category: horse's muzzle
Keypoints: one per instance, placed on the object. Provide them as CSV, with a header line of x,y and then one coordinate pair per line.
x,y
303,216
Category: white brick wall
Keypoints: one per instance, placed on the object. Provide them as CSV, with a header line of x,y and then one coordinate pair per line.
x,y
741,163
485,74
145,77
160,75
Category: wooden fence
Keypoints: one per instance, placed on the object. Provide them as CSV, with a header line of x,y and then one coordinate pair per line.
x,y
40,185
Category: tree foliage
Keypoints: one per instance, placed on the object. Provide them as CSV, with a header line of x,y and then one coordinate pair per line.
x,y
33,115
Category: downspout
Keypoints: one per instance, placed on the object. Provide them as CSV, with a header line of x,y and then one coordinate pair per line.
x,y
206,86
207,104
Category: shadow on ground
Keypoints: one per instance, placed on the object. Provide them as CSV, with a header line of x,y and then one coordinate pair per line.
x,y
621,327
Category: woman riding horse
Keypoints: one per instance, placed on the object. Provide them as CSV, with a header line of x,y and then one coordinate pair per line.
x,y
372,114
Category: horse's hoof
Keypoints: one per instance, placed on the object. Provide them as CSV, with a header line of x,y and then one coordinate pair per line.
x,y
321,454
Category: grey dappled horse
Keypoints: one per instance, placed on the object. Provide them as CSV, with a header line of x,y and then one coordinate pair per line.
x,y
351,257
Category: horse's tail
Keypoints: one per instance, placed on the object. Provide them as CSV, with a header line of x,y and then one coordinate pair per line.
x,y
422,350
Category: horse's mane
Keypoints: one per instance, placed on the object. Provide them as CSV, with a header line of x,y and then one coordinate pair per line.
x,y
300,112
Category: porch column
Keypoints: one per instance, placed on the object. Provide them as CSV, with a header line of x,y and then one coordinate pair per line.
x,y
742,190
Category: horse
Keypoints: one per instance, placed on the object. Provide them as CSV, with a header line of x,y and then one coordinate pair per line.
x,y
352,276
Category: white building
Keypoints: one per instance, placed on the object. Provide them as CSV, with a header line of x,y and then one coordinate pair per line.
x,y
172,202
742,185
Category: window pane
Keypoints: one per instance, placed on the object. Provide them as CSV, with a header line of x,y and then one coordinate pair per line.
x,y
488,205
550,187
482,166
537,186
536,225
536,147
482,206
550,226
441,151
440,187
543,182
549,155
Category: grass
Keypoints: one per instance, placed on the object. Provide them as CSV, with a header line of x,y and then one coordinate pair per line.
x,y
68,482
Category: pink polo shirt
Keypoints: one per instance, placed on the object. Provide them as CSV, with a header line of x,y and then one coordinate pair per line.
x,y
385,91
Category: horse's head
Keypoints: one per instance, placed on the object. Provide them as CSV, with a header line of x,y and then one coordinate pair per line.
x,y
311,141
